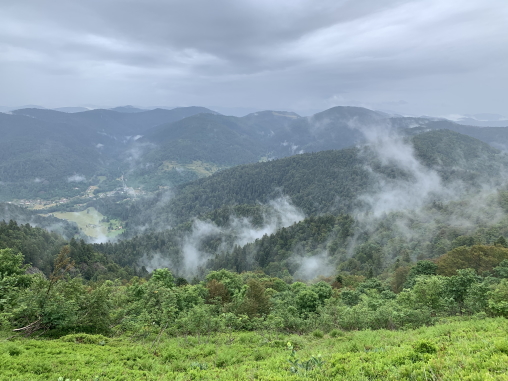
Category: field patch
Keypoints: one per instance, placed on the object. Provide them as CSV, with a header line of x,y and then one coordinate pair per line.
x,y
93,223
201,168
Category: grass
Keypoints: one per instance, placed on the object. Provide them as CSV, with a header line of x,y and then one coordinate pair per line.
x,y
458,350
203,169
90,222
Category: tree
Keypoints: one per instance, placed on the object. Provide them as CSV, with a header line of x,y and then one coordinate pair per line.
x,y
256,302
163,277
498,299
456,287
421,268
12,280
479,257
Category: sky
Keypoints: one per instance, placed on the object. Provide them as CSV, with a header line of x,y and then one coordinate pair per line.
x,y
420,57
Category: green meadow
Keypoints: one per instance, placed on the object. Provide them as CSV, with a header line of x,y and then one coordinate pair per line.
x,y
454,349
92,222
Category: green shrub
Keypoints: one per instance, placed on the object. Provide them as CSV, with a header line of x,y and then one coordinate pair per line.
x,y
14,349
424,346
336,333
84,338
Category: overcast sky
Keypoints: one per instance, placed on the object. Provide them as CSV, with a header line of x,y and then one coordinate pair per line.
x,y
434,57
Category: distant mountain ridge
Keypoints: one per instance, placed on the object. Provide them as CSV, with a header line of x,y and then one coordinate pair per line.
x,y
43,148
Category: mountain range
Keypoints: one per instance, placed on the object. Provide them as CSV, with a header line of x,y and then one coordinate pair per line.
x,y
46,150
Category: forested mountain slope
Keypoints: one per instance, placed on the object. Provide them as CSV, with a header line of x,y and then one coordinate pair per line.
x,y
365,209
46,153
209,138
331,181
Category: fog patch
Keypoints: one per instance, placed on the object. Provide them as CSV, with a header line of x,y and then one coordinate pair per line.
x,y
192,256
419,185
238,232
76,179
312,267
137,150
155,260
293,148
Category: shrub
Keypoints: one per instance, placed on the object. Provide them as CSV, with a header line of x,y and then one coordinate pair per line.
x,y
336,333
84,338
14,349
424,346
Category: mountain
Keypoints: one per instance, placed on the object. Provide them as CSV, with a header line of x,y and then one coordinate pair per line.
x,y
8,109
332,181
44,150
227,141
71,109
47,153
211,138
118,124
127,109
197,146
483,120
38,157
358,208
335,128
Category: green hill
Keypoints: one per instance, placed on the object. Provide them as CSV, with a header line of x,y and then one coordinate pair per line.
x,y
44,152
330,181
343,194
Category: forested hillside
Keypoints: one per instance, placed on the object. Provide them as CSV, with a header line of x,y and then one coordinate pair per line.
x,y
48,154
331,181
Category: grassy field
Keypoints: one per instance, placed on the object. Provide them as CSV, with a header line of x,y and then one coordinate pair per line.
x,y
457,350
201,168
91,222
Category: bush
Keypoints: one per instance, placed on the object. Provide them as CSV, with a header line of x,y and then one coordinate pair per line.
x,y
336,333
14,349
83,338
424,346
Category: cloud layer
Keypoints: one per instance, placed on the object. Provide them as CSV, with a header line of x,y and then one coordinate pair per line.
x,y
420,56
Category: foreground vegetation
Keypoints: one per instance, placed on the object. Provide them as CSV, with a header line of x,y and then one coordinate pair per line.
x,y
442,320
452,350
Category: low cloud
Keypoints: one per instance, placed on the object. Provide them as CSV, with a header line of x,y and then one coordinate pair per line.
x,y
314,266
239,231
76,179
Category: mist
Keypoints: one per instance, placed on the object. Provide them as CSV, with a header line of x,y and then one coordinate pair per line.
x,y
407,211
280,213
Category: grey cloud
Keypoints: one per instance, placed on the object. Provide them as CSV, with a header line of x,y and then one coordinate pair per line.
x,y
278,54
